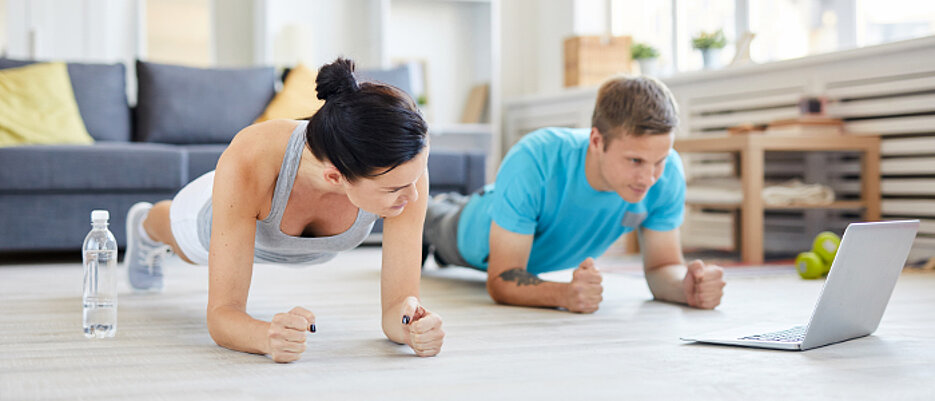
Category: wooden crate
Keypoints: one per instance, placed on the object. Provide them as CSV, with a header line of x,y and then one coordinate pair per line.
x,y
590,60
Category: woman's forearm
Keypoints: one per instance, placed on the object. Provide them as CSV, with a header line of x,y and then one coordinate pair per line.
x,y
393,326
234,329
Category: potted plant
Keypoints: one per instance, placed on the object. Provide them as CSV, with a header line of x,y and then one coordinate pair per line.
x,y
647,57
710,44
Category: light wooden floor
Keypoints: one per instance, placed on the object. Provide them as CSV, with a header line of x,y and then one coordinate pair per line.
x,y
628,349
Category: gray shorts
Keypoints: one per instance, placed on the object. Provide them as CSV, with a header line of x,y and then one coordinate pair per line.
x,y
441,226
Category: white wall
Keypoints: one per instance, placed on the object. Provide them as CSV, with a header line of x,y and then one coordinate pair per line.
x,y
517,32
3,26
85,30
233,22
81,30
179,32
316,31
556,23
532,40
591,17
454,42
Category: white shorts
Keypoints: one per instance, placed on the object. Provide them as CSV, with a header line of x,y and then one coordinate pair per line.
x,y
183,215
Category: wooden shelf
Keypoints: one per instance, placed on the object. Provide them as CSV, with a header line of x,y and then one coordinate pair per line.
x,y
842,205
736,143
752,148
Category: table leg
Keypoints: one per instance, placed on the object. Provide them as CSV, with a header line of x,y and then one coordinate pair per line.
x,y
870,182
751,226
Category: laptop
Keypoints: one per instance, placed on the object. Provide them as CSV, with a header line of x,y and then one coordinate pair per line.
x,y
856,291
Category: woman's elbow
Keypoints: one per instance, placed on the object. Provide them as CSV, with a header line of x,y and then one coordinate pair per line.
x,y
214,318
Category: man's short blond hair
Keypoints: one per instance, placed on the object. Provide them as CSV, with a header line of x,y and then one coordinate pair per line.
x,y
634,106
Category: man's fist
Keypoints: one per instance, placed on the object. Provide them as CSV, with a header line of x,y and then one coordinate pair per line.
x,y
583,294
424,327
703,285
286,334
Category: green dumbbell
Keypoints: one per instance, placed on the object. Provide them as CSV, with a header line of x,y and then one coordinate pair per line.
x,y
814,264
826,246
809,265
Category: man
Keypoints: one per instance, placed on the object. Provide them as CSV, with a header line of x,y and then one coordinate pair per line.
x,y
563,196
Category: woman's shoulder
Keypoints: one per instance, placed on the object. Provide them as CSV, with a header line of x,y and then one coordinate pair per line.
x,y
261,141
266,133
258,148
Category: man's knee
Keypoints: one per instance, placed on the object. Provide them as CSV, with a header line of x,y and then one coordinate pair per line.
x,y
435,215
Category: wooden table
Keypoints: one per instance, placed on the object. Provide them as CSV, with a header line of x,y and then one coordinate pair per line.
x,y
752,149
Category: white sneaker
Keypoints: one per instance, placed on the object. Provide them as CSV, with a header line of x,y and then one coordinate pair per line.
x,y
143,257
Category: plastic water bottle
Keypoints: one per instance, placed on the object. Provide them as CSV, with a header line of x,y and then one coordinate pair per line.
x,y
100,278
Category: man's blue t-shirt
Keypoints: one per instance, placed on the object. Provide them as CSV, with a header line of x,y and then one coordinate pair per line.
x,y
541,189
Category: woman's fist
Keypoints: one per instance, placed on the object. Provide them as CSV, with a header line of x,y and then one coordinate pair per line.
x,y
286,334
424,327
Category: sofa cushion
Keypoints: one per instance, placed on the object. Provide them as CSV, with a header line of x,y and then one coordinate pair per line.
x,y
462,172
100,90
298,97
37,106
102,166
59,220
185,105
202,159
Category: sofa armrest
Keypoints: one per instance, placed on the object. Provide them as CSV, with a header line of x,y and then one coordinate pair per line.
x,y
477,171
461,172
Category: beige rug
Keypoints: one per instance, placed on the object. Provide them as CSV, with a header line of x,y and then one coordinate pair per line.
x,y
628,349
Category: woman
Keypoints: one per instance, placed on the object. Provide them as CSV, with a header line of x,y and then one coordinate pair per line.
x,y
299,192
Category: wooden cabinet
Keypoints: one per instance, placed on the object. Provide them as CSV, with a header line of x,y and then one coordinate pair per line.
x,y
752,149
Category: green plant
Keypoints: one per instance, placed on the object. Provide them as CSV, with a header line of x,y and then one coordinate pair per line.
x,y
641,51
709,40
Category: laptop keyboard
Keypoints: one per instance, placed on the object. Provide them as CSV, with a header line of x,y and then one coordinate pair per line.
x,y
792,335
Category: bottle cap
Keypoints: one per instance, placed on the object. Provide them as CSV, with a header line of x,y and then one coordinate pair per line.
x,y
100,215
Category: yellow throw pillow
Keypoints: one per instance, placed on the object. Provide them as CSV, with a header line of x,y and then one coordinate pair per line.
x,y
298,97
37,106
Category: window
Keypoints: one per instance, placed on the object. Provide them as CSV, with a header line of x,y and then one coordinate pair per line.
x,y
891,20
695,16
653,22
648,22
784,29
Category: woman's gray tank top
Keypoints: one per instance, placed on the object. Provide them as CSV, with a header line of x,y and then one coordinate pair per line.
x,y
272,245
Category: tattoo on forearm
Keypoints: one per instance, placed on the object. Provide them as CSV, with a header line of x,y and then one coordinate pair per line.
x,y
521,277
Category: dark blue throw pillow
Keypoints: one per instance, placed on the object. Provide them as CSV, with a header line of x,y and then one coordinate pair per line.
x,y
185,105
101,93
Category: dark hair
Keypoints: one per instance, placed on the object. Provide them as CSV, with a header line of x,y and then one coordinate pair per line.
x,y
365,129
635,106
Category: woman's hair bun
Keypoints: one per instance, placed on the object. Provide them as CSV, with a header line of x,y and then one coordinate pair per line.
x,y
336,79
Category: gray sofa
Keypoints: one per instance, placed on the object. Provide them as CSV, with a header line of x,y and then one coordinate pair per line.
x,y
181,124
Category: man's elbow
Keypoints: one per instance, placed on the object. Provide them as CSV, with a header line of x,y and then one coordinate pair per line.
x,y
496,290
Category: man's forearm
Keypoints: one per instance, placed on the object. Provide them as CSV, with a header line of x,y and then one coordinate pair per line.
x,y
666,283
520,287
